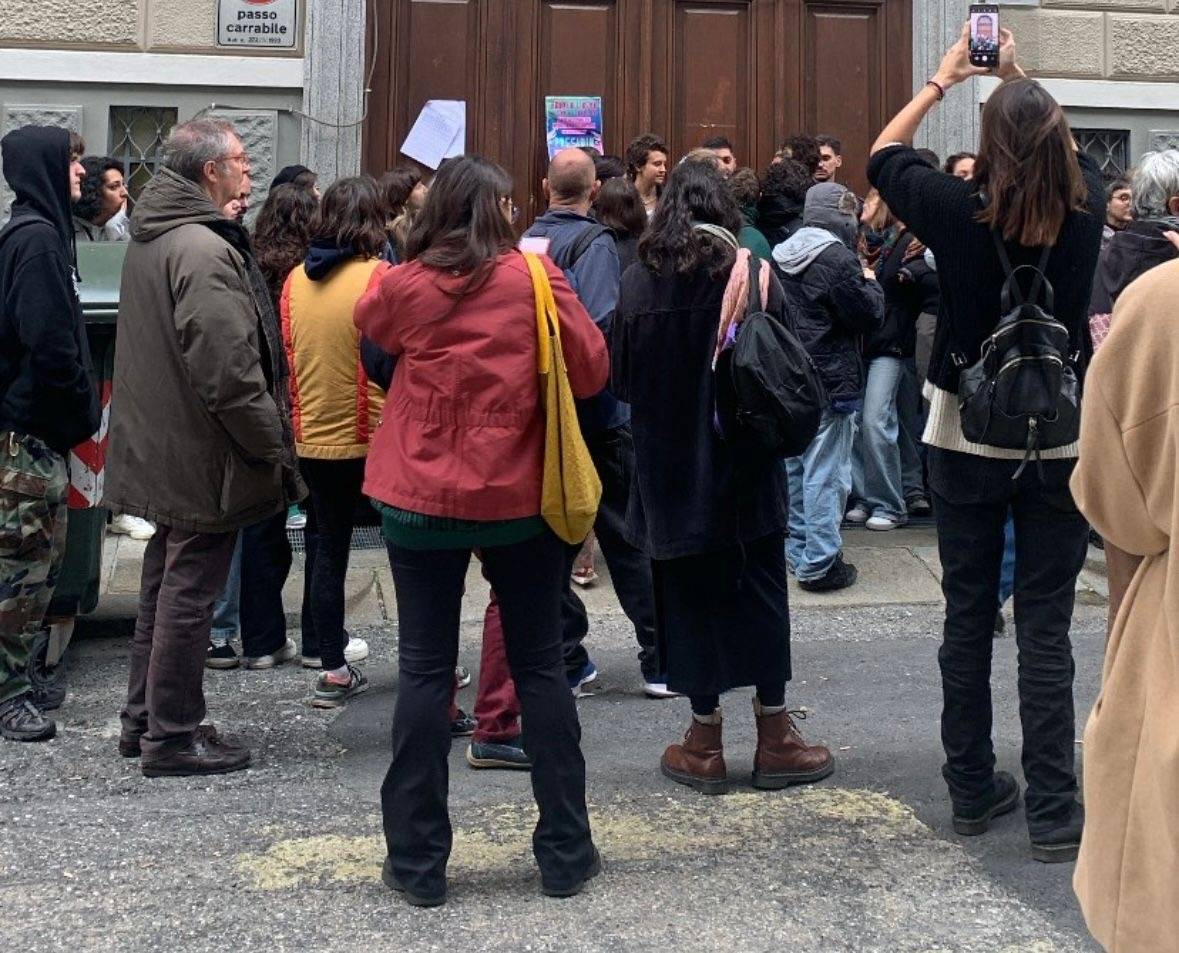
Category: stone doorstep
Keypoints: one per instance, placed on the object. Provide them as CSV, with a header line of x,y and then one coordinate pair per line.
x,y
895,568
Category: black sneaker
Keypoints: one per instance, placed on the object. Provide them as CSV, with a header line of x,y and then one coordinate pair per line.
x,y
839,576
1005,800
508,755
1060,844
463,726
573,889
919,506
20,720
221,656
413,899
332,694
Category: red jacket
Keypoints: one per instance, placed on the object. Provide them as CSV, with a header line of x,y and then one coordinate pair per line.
x,y
462,433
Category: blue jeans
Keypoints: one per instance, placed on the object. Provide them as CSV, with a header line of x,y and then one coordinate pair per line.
x,y
886,466
819,483
1007,573
227,608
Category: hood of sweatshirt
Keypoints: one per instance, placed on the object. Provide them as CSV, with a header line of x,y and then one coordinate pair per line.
x,y
799,251
1136,249
36,162
323,257
778,211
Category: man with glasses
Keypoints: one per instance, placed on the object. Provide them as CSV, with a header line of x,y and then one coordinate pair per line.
x,y
199,444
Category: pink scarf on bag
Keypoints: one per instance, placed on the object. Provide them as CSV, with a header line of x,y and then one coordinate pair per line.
x,y
736,299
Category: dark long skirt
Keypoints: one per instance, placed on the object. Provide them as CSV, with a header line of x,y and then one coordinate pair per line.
x,y
724,617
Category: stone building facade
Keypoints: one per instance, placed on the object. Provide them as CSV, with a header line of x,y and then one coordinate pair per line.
x,y
122,71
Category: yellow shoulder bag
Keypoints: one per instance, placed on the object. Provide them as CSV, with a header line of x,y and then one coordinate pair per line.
x,y
571,490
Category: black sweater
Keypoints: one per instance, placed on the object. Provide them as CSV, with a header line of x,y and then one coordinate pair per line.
x,y
941,210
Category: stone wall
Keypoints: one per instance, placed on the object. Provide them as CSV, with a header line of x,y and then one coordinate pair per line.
x,y
1098,39
144,25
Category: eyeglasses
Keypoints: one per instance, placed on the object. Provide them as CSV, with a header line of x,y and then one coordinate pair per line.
x,y
236,157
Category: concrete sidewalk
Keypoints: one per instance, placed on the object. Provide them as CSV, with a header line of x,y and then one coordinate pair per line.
x,y
896,568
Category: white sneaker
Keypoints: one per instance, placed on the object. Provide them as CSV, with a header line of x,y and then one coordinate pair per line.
x,y
857,514
355,651
133,526
285,654
659,690
882,524
297,520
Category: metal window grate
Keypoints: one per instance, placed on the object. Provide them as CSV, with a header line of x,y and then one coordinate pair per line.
x,y
363,537
1110,147
137,135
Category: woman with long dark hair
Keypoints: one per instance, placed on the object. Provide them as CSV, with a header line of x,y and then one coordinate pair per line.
x,y
1033,196
282,232
619,207
457,465
713,519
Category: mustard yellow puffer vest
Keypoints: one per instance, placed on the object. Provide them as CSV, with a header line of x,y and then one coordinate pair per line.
x,y
334,406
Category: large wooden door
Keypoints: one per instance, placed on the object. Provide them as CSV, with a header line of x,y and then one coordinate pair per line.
x,y
752,70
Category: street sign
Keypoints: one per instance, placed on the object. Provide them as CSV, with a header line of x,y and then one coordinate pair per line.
x,y
258,24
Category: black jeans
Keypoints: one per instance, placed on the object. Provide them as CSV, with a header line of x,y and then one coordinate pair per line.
x,y
971,500
527,580
336,491
266,563
613,453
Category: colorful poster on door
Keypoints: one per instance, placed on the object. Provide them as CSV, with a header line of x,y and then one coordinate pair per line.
x,y
573,121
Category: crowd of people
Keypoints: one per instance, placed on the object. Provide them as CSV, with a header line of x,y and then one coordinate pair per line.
x,y
376,346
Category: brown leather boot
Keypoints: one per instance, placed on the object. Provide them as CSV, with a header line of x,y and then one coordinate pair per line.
x,y
782,757
700,761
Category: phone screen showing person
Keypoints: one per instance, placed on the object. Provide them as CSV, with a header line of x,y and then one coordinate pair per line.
x,y
984,35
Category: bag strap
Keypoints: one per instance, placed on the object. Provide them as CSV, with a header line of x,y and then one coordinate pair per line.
x,y
548,328
754,303
1011,289
590,234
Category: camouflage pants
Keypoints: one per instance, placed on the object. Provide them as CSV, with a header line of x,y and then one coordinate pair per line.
x,y
34,483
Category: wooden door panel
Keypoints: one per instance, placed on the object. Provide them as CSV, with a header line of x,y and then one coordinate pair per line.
x,y
844,86
712,79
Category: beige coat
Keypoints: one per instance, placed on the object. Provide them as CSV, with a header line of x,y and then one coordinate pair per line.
x,y
1127,484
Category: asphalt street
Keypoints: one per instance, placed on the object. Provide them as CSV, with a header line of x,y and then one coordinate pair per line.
x,y
286,856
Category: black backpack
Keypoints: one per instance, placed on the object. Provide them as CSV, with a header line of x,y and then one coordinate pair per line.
x,y
769,397
1023,392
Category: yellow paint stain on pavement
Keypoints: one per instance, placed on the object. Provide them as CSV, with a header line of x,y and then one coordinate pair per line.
x,y
630,829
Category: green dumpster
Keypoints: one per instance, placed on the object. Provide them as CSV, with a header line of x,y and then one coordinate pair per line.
x,y
100,266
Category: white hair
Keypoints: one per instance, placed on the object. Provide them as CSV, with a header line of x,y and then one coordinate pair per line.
x,y
1155,182
196,142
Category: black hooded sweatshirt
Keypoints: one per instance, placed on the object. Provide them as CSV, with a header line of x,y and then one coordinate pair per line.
x,y
46,387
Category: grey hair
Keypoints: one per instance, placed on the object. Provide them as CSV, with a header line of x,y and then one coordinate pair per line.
x,y
1155,182
192,144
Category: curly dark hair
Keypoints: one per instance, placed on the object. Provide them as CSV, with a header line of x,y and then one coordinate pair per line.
x,y
695,194
640,149
745,186
282,232
787,178
89,206
804,149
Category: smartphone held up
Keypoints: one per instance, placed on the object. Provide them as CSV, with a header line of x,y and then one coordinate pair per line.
x,y
984,35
